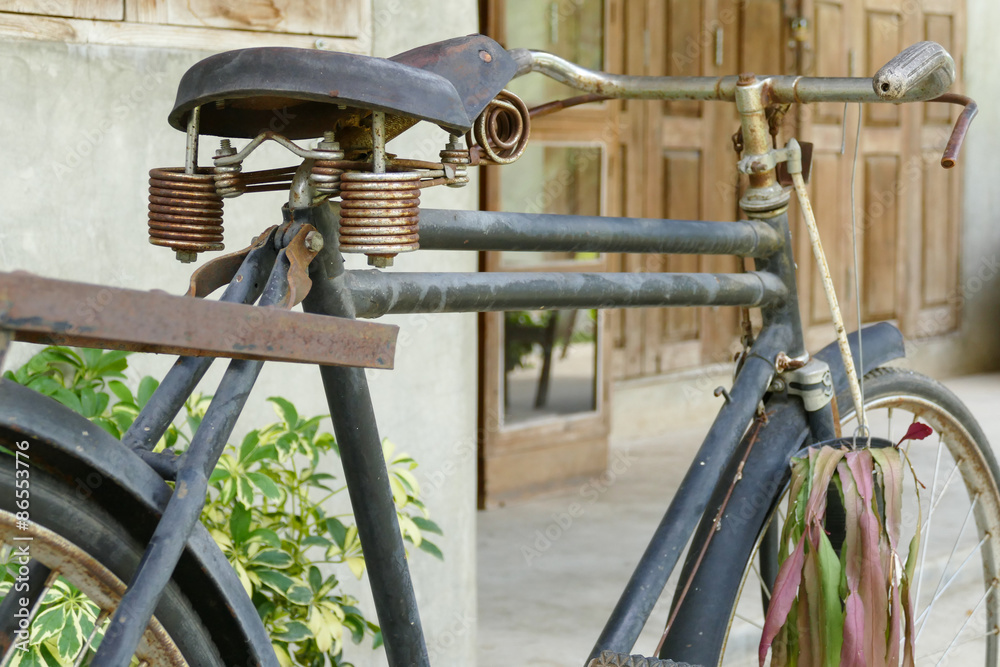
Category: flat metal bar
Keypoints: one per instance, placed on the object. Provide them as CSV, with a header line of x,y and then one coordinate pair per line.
x,y
691,497
376,293
184,507
47,311
491,230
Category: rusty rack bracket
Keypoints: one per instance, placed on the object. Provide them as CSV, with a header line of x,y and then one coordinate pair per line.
x,y
59,312
220,271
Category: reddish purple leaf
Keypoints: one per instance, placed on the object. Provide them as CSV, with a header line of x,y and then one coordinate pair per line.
x,y
917,431
786,585
852,653
872,586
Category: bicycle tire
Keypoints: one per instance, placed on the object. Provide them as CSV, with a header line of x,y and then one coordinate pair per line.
x,y
94,552
721,594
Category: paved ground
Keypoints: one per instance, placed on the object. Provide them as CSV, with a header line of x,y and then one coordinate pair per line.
x,y
551,569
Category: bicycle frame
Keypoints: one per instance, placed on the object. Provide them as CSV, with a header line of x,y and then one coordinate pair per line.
x,y
346,294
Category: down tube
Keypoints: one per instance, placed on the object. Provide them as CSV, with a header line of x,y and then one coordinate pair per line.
x,y
689,502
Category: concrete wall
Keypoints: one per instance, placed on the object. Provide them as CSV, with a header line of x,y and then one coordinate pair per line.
x,y
83,124
651,406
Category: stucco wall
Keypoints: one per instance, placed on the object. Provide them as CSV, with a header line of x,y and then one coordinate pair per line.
x,y
83,124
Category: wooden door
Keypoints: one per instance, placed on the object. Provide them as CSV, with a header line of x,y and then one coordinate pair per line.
x,y
907,208
676,160
681,163
533,438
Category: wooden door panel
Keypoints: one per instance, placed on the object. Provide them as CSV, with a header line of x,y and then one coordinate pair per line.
x,y
681,200
761,47
940,221
686,40
885,40
881,204
939,273
939,28
828,192
831,54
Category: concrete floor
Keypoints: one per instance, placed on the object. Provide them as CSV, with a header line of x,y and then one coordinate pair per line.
x,y
551,569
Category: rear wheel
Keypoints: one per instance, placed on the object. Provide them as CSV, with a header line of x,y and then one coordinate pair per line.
x,y
956,597
90,555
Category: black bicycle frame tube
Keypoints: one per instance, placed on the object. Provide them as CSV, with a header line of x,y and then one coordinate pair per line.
x,y
186,373
364,466
492,230
691,497
184,508
376,293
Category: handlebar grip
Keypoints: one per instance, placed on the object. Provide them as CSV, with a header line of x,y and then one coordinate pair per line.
x,y
924,65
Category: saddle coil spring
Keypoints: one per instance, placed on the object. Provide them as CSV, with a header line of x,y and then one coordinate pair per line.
x,y
185,211
379,213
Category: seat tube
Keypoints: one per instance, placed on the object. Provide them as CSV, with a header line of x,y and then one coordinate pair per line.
x,y
365,470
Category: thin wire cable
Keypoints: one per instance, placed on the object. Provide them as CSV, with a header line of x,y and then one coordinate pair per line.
x,y
862,422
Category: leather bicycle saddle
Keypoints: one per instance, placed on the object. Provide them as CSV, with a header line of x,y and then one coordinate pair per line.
x,y
302,93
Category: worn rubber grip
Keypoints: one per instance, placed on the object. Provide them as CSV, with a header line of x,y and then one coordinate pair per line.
x,y
921,71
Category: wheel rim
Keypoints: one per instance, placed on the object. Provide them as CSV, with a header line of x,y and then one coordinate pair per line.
x,y
956,600
99,584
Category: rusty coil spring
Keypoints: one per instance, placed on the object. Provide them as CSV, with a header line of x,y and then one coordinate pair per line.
x,y
461,159
325,177
455,156
502,129
185,212
228,182
379,213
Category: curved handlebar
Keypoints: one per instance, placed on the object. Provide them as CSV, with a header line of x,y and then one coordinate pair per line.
x,y
921,72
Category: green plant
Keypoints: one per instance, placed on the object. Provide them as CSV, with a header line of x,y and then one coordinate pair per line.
x,y
265,510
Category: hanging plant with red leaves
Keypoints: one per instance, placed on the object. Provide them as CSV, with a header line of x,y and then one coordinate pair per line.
x,y
853,608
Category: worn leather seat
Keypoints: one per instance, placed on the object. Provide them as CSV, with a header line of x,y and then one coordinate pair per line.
x,y
301,93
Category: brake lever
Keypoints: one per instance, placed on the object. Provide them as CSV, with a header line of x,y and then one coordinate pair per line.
x,y
950,157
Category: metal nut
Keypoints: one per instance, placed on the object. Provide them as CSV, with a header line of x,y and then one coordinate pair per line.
x,y
380,261
314,241
186,256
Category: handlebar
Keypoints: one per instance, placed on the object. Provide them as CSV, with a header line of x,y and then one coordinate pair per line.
x,y
921,72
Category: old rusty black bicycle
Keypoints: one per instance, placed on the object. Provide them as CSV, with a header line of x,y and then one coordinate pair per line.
x,y
135,545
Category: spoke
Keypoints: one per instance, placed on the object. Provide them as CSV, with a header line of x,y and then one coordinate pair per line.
x,y
954,548
991,633
927,529
944,487
967,619
98,622
937,597
763,585
53,575
747,620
